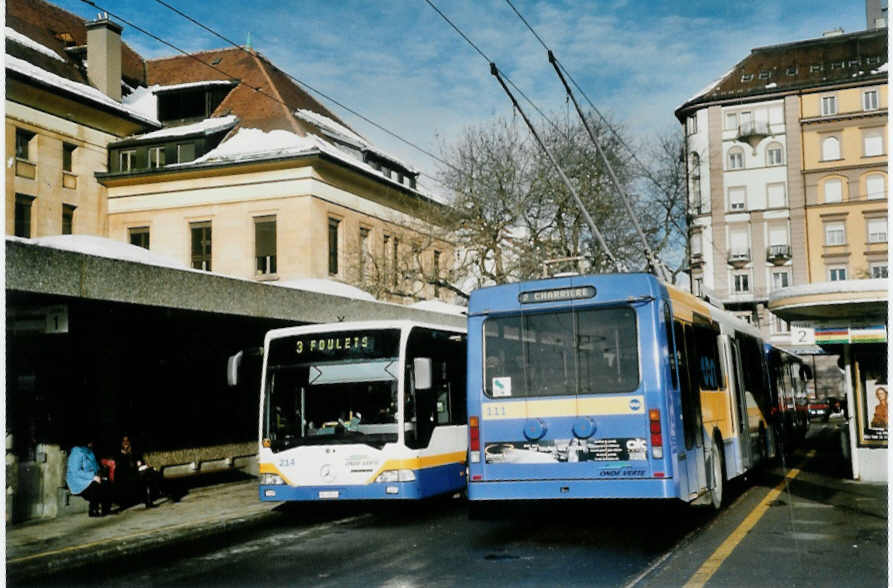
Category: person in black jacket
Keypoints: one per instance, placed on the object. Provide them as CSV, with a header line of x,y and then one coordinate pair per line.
x,y
135,480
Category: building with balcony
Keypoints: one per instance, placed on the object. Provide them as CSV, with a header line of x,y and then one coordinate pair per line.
x,y
787,172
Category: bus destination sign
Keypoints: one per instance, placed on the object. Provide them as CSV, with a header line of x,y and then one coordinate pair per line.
x,y
556,294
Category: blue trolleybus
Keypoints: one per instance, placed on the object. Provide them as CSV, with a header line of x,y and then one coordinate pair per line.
x,y
611,386
364,410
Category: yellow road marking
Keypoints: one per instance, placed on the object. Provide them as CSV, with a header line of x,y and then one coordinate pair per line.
x,y
709,567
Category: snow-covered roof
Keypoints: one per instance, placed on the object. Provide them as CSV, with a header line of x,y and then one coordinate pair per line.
x,y
439,306
17,37
207,126
143,100
324,286
188,85
102,247
41,75
339,131
707,88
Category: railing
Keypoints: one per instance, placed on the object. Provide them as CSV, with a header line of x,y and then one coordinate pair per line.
x,y
753,128
739,258
778,254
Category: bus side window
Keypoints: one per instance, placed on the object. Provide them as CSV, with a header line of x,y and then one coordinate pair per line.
x,y
687,386
708,358
668,325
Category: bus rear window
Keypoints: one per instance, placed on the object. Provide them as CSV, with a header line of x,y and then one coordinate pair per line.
x,y
591,351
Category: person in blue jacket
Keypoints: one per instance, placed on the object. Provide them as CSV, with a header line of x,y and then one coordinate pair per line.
x,y
84,479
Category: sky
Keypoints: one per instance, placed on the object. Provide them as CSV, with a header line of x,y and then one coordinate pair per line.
x,y
400,64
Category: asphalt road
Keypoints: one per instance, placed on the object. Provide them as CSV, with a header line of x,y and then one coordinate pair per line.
x,y
427,544
435,544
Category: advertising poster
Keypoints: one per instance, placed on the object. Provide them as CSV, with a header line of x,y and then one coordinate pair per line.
x,y
873,421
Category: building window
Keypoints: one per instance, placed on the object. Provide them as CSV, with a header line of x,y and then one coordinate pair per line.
x,y
201,245
696,182
879,270
126,160
364,251
869,100
185,152
333,245
872,143
691,124
265,245
830,148
67,156
23,215
780,279
778,326
436,276
139,236
386,250
699,287
696,245
836,274
395,252
774,154
775,195
877,230
23,143
829,105
731,121
741,283
736,158
737,198
835,233
67,219
874,186
156,157
833,190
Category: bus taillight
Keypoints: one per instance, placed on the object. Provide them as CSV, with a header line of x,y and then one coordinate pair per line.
x,y
474,439
657,440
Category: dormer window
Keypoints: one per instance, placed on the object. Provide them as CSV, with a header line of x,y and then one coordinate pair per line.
x,y
764,75
815,68
747,77
191,103
791,71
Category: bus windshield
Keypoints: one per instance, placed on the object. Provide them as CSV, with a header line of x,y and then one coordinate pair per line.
x,y
591,351
332,388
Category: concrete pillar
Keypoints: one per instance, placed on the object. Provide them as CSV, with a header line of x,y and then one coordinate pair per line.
x,y
852,421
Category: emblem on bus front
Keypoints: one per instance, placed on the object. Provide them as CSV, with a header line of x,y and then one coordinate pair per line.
x,y
325,472
635,404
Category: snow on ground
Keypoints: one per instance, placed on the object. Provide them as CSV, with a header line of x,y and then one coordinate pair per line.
x,y
208,125
439,306
21,39
103,247
32,71
323,286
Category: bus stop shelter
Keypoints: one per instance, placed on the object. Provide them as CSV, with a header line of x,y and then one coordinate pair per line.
x,y
849,318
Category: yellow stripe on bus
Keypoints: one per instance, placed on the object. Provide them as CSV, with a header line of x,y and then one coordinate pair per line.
x,y
685,305
420,463
519,409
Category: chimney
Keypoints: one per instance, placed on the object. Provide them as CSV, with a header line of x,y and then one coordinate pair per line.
x,y
104,56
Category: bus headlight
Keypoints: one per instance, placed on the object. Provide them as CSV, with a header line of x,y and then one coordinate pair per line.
x,y
270,480
396,476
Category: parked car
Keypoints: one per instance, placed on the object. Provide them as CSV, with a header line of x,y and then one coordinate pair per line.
x,y
819,409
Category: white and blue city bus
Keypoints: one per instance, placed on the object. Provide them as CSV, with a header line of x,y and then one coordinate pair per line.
x,y
362,411
610,386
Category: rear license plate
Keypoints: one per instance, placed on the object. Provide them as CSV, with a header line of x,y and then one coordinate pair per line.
x,y
328,494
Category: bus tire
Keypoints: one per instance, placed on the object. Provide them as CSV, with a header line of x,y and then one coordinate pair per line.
x,y
718,467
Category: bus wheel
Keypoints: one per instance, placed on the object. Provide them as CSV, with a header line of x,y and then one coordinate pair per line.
x,y
718,469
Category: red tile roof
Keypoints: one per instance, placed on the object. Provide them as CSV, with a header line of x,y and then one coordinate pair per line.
x,y
56,29
813,63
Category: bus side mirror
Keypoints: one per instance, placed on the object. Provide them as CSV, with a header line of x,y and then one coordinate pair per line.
x,y
421,368
232,369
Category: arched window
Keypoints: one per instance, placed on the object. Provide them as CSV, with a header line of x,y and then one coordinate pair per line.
x,y
875,186
736,158
774,154
830,148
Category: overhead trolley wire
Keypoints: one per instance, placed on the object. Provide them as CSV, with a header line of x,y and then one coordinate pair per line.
x,y
494,70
